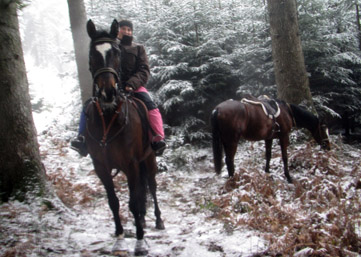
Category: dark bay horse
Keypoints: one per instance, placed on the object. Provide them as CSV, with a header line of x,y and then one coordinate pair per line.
x,y
116,136
232,120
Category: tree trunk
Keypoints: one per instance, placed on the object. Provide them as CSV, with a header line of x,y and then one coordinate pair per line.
x,y
21,171
289,65
81,41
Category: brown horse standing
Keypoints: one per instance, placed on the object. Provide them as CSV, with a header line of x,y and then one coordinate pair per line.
x,y
116,137
232,120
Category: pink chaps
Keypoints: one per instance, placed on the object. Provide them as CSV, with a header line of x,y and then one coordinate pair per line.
x,y
155,120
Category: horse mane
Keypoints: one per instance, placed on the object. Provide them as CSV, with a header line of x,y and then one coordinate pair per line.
x,y
304,118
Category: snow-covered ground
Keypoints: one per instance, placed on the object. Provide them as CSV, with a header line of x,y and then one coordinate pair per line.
x,y
252,214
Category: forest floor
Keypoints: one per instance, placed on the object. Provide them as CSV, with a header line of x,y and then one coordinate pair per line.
x,y
251,214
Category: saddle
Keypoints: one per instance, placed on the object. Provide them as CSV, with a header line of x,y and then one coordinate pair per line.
x,y
269,106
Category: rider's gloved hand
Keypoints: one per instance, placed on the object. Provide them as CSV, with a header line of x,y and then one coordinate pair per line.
x,y
128,89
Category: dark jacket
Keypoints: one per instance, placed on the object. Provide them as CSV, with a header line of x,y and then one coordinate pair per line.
x,y
135,66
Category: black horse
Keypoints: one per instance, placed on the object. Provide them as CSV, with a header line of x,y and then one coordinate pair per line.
x,y
116,136
232,120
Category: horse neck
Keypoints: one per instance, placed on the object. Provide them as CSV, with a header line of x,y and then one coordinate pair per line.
x,y
304,118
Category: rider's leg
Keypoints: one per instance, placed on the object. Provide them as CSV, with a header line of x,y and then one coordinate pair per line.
x,y
155,120
78,144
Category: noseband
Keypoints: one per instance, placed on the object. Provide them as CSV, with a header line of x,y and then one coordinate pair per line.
x,y
106,70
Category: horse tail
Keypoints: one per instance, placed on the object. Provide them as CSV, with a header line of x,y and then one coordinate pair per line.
x,y
216,143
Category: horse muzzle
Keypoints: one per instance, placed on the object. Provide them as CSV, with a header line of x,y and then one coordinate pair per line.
x,y
107,95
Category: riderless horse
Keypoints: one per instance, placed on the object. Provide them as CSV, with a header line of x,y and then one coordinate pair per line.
x,y
255,120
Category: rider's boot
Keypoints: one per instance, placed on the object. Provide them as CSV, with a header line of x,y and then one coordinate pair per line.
x,y
79,145
155,120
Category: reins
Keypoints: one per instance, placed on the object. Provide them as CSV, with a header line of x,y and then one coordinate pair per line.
x,y
103,143
106,128
292,115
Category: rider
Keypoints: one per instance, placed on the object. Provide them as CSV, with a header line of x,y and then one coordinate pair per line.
x,y
134,75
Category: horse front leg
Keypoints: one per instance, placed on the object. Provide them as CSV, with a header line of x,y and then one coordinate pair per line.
x,y
107,180
268,144
284,144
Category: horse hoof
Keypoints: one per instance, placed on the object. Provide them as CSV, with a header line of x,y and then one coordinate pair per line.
x,y
120,253
141,248
120,248
160,225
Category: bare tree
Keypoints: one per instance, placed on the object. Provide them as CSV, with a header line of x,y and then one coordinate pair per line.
x,y
78,21
21,171
290,71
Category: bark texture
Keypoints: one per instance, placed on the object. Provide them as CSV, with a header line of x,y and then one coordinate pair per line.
x,y
21,171
289,65
81,41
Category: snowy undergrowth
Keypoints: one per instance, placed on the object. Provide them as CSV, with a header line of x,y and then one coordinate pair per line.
x,y
251,214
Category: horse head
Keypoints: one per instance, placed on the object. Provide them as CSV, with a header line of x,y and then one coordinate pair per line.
x,y
318,128
104,63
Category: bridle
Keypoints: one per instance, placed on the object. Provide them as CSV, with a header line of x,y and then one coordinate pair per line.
x,y
105,70
104,141
100,71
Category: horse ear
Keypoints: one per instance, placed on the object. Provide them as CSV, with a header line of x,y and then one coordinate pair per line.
x,y
90,27
114,29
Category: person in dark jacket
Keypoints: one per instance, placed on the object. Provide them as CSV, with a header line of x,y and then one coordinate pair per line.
x,y
135,73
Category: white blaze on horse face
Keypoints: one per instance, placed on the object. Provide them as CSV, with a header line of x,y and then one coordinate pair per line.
x,y
103,49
